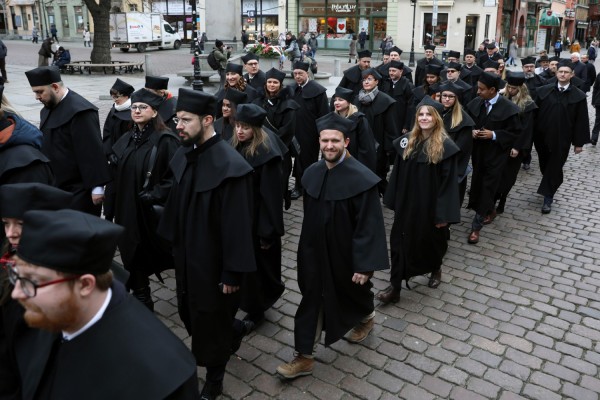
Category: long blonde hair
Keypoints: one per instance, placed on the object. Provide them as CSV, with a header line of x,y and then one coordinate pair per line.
x,y
351,110
259,138
434,148
457,115
522,99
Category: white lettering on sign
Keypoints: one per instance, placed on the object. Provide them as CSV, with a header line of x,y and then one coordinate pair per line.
x,y
343,8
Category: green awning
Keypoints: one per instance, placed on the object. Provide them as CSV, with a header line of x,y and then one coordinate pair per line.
x,y
549,18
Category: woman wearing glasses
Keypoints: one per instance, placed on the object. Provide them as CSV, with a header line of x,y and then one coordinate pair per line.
x,y
142,158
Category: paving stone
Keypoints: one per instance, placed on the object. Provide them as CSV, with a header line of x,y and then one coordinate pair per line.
x,y
411,392
523,359
511,396
576,364
436,386
547,381
360,388
568,349
385,381
439,354
539,339
324,390
514,369
404,372
489,359
540,393
471,366
578,392
561,372
482,387
459,393
414,344
423,334
352,366
547,354
503,380
423,363
453,375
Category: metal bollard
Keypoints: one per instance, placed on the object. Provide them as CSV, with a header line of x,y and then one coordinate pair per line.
x,y
148,65
337,68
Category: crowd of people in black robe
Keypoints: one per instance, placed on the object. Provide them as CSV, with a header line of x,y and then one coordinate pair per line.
x,y
188,177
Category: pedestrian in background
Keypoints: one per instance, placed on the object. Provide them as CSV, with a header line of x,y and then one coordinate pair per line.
x,y
352,53
34,34
203,40
3,53
313,45
362,38
45,52
53,32
87,38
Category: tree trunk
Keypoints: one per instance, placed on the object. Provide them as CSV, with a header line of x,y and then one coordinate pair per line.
x,y
100,15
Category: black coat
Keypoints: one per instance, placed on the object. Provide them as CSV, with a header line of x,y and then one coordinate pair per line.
x,y
117,123
24,163
208,210
402,92
383,122
167,112
489,157
591,75
257,82
281,114
421,70
462,135
73,143
362,141
223,128
134,354
533,84
352,79
475,74
342,233
421,195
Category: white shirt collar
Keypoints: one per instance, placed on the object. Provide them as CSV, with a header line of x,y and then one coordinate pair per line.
x,y
96,318
495,99
566,86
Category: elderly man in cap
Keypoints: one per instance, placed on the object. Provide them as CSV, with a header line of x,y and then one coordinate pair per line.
x,y
470,65
532,81
543,63
579,69
464,73
87,325
341,244
591,72
312,99
562,121
491,53
159,85
208,211
72,139
497,126
352,78
453,74
400,89
424,62
253,76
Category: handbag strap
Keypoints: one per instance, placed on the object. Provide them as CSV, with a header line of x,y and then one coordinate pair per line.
x,y
151,163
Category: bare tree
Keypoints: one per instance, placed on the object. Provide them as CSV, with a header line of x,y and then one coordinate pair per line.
x,y
100,14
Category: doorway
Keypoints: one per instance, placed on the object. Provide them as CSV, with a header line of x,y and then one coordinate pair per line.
x,y
377,30
471,32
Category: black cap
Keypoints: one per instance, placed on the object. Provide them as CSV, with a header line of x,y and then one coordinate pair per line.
x,y
43,76
68,241
373,72
454,65
301,65
428,101
491,46
527,60
147,97
249,57
364,53
451,87
396,49
196,102
566,63
18,198
274,73
470,52
235,68
250,114
490,80
235,96
554,58
343,93
156,82
123,87
433,69
454,54
218,43
515,78
429,47
491,64
396,64
336,122
544,58
435,88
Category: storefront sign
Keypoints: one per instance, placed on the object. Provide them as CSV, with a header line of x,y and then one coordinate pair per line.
x,y
570,13
540,43
341,25
343,8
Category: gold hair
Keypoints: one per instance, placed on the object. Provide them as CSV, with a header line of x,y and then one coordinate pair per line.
x,y
259,138
434,148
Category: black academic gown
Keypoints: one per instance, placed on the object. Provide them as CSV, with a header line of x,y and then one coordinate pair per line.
x,y
261,289
24,163
208,211
127,354
223,128
421,70
257,82
312,100
462,135
562,121
12,327
72,142
342,233
139,252
475,73
489,157
352,79
167,112
402,92
362,143
575,81
421,195
533,84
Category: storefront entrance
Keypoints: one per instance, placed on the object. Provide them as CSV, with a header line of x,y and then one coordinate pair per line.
x,y
471,32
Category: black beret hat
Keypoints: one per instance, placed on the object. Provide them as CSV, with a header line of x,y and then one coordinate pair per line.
x,y
196,102
18,198
396,49
235,96
454,54
235,68
250,114
364,53
527,60
274,73
554,58
564,62
491,64
218,43
491,45
387,52
248,57
428,101
373,72
156,82
145,96
343,93
429,47
451,87
123,87
454,65
433,69
396,64
490,80
301,65
515,78
470,52
68,241
43,76
335,122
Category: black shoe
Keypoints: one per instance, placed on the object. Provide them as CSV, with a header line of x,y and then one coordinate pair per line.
x,y
240,329
594,142
211,390
501,203
255,318
287,200
526,167
144,296
295,194
547,206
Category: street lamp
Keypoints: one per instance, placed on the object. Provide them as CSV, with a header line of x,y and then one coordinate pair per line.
x,y
411,61
197,82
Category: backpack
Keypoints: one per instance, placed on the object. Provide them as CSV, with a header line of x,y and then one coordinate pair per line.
x,y
557,45
212,61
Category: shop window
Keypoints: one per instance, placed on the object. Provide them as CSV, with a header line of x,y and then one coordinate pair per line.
x,y
79,18
436,35
133,7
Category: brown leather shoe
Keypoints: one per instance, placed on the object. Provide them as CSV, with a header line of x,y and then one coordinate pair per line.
x,y
389,295
361,331
490,218
473,237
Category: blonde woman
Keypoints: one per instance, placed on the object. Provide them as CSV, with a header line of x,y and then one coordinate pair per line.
x,y
423,192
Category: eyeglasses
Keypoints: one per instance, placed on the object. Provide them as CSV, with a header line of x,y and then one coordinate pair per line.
x,y
448,96
184,121
139,108
30,287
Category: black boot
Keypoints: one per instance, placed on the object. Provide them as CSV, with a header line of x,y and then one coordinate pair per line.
x,y
144,296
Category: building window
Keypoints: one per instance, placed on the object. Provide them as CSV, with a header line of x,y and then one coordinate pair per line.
x,y
133,7
79,18
24,18
436,35
50,13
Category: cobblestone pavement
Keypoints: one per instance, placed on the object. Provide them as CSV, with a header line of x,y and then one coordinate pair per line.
x,y
516,317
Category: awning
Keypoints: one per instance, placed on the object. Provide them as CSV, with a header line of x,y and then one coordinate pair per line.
x,y
549,18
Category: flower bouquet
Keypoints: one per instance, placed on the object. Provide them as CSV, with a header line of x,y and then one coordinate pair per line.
x,y
265,50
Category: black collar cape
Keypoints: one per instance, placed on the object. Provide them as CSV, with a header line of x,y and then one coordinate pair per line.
x,y
166,110
346,180
353,74
502,110
121,145
19,156
123,115
64,111
382,102
311,90
450,148
466,121
573,93
215,160
275,149
434,61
